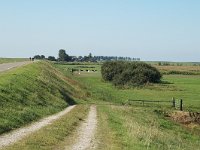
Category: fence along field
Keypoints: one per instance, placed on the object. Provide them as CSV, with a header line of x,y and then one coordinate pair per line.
x,y
174,103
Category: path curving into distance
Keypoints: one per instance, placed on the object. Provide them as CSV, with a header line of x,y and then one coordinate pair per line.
x,y
86,136
18,134
8,66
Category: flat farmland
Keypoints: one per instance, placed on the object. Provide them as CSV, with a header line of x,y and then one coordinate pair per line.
x,y
182,70
117,123
135,126
179,86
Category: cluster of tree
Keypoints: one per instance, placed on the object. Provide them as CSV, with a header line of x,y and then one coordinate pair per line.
x,y
91,58
88,58
63,56
52,58
39,57
123,73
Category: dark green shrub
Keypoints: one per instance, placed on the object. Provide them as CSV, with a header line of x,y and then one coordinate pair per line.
x,y
130,73
110,69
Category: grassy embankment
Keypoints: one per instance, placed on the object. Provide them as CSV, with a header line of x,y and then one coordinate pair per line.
x,y
139,127
32,92
9,60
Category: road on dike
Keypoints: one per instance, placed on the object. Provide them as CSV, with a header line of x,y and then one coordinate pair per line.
x,y
8,66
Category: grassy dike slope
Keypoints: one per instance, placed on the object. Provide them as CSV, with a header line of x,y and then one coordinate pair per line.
x,y
32,92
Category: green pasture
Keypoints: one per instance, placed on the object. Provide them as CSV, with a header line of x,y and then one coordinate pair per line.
x,y
184,87
142,127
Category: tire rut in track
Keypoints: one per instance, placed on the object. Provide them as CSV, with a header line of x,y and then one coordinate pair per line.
x,y
86,132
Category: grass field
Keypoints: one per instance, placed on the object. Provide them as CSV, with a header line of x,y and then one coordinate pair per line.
x,y
9,60
32,92
137,126
184,87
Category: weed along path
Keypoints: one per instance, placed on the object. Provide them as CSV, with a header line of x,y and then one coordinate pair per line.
x,y
86,132
11,138
8,66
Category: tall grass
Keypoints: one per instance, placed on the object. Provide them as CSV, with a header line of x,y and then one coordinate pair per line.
x,y
142,128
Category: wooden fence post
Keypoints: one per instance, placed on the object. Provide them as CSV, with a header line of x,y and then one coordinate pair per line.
x,y
173,102
181,105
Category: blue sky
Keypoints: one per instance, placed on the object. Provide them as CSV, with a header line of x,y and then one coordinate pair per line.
x,y
167,30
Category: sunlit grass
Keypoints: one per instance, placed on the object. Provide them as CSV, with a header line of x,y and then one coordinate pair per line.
x,y
142,128
137,126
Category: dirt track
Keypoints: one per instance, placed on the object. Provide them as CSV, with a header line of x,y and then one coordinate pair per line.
x,y
86,136
19,134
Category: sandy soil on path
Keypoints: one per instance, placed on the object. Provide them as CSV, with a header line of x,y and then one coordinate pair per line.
x,y
14,136
86,136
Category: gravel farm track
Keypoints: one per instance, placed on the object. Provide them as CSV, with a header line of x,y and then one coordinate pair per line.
x,y
86,132
86,137
14,136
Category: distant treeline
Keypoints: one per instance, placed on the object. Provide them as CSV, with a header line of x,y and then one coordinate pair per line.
x,y
63,56
107,58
